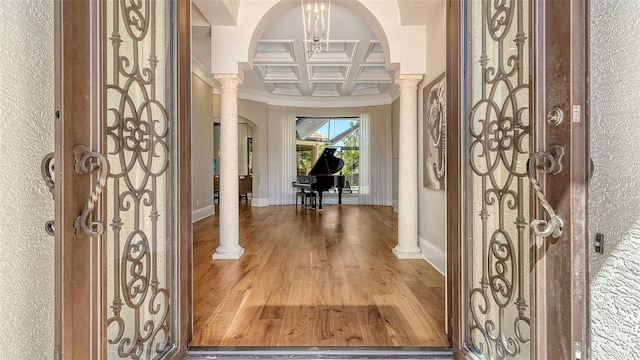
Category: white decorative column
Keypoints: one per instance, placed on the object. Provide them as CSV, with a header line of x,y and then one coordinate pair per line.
x,y
229,247
408,170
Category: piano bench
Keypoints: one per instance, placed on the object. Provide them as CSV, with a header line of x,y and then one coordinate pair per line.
x,y
307,198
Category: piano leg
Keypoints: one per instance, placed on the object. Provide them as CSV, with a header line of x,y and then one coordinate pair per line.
x,y
300,194
320,199
340,195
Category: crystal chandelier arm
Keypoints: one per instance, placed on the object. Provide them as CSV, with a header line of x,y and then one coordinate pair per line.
x,y
316,34
328,23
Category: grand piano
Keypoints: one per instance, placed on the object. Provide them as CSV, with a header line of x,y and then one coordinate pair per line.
x,y
321,177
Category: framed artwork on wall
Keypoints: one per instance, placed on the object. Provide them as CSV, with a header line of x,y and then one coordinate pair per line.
x,y
434,133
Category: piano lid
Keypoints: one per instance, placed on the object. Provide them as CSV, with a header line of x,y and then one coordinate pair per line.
x,y
327,164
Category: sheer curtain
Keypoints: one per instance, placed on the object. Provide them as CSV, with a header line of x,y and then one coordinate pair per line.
x,y
282,154
243,151
375,155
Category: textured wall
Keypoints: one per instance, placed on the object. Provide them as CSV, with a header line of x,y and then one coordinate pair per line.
x,y
615,198
26,135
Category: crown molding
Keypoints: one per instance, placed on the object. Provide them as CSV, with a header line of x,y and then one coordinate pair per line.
x,y
201,70
394,94
315,101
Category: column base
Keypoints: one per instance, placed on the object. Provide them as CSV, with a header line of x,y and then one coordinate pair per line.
x,y
233,255
411,253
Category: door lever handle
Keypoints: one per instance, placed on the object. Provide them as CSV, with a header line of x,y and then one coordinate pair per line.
x,y
551,163
88,161
46,168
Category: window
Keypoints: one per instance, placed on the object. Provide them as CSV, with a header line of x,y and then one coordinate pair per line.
x,y
343,134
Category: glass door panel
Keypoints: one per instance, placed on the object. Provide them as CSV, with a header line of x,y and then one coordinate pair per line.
x,y
496,143
140,236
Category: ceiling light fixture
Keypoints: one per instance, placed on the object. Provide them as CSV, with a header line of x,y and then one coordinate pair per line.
x,y
316,19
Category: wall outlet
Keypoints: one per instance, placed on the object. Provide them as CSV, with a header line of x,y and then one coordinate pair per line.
x,y
599,243
197,202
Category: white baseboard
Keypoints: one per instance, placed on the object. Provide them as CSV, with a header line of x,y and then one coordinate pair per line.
x,y
433,255
204,212
394,203
259,202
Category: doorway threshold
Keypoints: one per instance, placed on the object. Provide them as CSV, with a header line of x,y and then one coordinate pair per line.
x,y
302,352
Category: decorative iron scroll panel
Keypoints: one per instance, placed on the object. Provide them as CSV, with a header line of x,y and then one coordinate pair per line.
x,y
139,131
497,201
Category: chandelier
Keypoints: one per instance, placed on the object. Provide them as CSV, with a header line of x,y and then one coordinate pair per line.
x,y
315,19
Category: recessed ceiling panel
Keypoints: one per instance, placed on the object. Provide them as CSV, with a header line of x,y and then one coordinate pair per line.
x,y
278,73
375,55
326,89
286,89
339,51
320,73
376,74
280,51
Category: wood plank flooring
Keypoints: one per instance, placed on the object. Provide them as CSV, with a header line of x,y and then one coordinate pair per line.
x,y
314,278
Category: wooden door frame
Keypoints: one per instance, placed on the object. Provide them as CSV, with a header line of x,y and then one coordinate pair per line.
x,y
184,222
454,175
80,290
556,277
562,282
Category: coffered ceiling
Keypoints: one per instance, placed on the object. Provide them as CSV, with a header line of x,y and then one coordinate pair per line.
x,y
350,67
354,64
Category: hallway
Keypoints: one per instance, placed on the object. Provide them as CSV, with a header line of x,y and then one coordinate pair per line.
x,y
312,278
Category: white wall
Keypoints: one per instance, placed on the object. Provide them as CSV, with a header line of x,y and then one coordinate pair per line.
x,y
202,148
256,112
614,195
432,203
26,135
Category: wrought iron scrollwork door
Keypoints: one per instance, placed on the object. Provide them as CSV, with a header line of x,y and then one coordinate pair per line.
x,y
497,197
140,125
123,116
518,233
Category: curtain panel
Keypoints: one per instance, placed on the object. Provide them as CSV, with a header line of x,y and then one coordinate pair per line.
x,y
243,151
282,154
375,155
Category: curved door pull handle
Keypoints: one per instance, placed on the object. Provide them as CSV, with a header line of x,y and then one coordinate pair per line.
x,y
46,168
551,163
88,161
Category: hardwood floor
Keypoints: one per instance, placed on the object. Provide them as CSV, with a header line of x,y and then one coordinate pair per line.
x,y
310,278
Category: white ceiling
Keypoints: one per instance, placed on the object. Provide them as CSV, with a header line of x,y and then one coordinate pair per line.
x,y
353,66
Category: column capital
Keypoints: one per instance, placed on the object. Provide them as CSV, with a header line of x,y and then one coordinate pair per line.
x,y
409,80
228,80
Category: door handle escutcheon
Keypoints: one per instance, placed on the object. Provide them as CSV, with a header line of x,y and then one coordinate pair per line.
x,y
46,168
551,164
88,161
555,117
